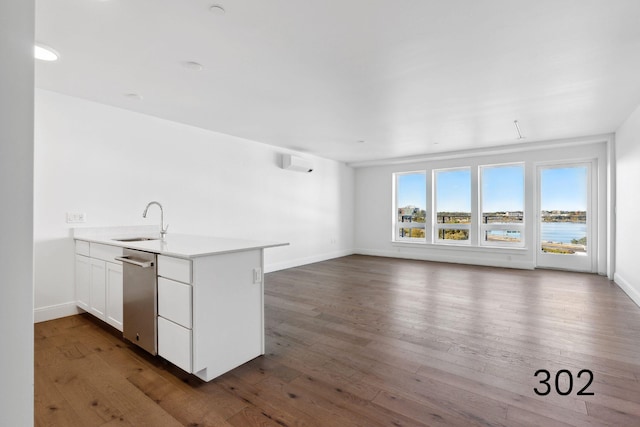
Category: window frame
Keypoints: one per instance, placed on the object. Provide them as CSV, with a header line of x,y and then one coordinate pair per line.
x,y
436,227
397,225
483,228
588,262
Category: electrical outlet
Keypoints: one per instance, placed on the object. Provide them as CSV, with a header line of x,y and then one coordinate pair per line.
x,y
76,217
257,275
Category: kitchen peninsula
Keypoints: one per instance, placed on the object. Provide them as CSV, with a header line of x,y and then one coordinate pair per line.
x,y
208,299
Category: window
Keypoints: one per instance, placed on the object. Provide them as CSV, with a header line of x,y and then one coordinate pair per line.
x,y
410,206
483,207
566,232
453,205
502,205
563,216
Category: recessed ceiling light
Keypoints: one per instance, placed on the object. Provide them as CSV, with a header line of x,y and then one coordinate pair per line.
x,y
45,53
192,65
216,9
135,96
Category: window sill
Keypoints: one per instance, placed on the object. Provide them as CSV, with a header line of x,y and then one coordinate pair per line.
x,y
454,246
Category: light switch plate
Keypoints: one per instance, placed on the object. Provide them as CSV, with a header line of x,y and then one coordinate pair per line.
x,y
76,217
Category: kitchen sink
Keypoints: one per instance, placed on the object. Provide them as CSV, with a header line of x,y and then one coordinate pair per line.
x,y
136,239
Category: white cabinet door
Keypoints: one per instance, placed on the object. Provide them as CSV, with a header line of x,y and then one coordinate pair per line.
x,y
83,282
97,297
114,295
174,343
174,301
99,283
228,326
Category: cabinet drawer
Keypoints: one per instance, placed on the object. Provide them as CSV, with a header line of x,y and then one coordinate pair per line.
x,y
105,252
82,247
174,301
174,268
174,343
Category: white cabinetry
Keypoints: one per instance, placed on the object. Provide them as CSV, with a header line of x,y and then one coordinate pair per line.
x,y
175,343
98,287
113,314
174,301
175,311
99,281
83,281
210,297
210,311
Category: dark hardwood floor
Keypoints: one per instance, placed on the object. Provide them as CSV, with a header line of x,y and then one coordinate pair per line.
x,y
372,341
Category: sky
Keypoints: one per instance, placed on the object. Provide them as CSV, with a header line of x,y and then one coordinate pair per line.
x,y
453,190
502,189
412,190
564,189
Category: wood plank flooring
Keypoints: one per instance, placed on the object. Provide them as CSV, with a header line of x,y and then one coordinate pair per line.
x,y
367,341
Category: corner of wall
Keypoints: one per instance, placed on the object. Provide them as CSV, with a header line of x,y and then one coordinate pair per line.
x,y
633,291
297,262
43,314
626,203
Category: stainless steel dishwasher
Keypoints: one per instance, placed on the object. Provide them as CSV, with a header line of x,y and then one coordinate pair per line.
x,y
140,299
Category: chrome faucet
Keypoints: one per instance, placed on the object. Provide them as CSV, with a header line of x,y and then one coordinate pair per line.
x,y
163,229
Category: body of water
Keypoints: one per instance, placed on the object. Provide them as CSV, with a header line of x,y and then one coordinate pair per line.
x,y
504,235
559,232
562,232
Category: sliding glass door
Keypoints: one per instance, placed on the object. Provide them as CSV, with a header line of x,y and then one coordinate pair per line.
x,y
564,228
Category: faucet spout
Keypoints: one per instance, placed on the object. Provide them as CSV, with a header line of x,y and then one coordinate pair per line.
x,y
163,228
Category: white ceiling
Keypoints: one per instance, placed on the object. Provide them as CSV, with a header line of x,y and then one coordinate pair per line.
x,y
408,77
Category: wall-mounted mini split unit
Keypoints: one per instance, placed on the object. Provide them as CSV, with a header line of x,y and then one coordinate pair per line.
x,y
297,164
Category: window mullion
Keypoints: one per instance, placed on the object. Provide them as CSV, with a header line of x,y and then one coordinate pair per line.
x,y
474,233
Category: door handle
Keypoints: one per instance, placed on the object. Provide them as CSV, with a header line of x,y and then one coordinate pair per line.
x,y
143,264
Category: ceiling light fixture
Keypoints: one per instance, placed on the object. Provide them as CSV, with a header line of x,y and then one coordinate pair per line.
x,y
216,9
45,53
515,122
192,65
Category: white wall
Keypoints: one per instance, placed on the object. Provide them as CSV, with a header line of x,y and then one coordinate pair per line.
x,y
627,267
109,163
16,215
374,211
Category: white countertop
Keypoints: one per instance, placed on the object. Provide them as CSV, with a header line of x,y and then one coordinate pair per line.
x,y
177,245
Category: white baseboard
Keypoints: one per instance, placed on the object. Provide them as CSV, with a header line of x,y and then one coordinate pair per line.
x,y
522,265
269,268
628,288
42,314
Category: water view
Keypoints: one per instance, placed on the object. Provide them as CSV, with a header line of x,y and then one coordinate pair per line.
x,y
557,232
563,202
563,214
504,235
562,232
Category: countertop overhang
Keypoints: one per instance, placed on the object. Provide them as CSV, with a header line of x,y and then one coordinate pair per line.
x,y
176,245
